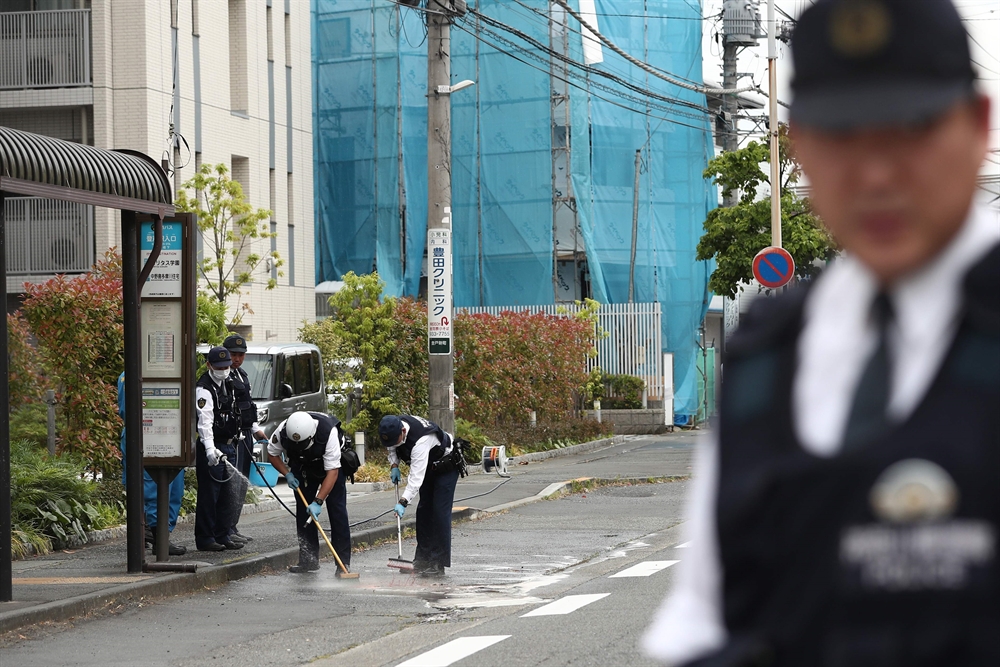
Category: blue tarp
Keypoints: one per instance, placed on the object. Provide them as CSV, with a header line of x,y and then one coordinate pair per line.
x,y
371,138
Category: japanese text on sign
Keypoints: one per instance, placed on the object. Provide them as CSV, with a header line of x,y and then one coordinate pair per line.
x,y
439,318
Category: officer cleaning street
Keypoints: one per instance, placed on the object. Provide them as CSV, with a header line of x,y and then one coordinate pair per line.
x,y
312,442
846,510
250,432
434,473
220,489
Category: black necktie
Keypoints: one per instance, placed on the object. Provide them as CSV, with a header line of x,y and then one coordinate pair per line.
x,y
867,419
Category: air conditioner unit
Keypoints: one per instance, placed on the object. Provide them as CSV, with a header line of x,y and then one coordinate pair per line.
x,y
50,63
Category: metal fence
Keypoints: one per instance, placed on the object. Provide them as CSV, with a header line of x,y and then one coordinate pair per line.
x,y
632,345
49,49
46,236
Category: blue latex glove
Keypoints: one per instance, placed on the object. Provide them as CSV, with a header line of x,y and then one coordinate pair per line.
x,y
395,475
399,509
315,509
292,482
263,442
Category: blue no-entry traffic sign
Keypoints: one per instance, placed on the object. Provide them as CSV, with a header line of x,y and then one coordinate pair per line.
x,y
773,267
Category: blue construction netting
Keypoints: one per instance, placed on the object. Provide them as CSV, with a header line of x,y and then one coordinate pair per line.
x,y
370,136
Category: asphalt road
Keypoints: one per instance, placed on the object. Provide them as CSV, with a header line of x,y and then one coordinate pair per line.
x,y
530,586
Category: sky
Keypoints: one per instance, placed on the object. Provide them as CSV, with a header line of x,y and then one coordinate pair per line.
x,y
982,20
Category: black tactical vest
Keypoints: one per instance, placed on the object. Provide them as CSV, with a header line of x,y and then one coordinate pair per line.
x,y
307,456
226,424
244,401
419,427
814,573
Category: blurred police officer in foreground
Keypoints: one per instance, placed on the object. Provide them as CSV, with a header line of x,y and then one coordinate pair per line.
x,y
250,430
312,442
849,510
428,449
219,485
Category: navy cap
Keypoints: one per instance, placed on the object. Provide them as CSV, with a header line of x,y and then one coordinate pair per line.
x,y
218,357
389,429
870,63
235,343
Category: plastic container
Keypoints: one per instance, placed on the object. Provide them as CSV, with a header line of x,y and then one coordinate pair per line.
x,y
270,474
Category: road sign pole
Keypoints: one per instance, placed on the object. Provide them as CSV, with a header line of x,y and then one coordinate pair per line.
x,y
772,95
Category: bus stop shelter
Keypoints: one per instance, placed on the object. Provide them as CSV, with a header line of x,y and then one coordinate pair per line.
x,y
40,166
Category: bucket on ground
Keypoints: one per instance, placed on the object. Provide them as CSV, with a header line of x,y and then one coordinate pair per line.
x,y
270,474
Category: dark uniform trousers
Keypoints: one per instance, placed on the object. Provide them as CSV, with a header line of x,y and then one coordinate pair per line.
x,y
437,494
336,508
220,497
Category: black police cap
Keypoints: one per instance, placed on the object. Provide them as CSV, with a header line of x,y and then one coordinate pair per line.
x,y
869,63
235,343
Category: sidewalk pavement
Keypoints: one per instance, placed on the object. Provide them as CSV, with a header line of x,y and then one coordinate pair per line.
x,y
75,582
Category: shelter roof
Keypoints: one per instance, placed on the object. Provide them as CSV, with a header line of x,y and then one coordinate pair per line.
x,y
33,164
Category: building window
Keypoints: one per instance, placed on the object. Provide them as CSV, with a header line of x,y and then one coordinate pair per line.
x,y
238,88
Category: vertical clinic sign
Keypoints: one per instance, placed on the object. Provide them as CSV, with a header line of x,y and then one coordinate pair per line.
x,y
439,290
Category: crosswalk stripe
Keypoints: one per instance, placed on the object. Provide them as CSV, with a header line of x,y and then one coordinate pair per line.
x,y
645,569
453,651
566,605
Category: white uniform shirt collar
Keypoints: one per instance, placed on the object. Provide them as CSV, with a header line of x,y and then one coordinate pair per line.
x,y
838,336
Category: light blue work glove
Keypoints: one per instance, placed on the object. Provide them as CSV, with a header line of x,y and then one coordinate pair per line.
x,y
399,509
315,509
292,482
262,441
395,475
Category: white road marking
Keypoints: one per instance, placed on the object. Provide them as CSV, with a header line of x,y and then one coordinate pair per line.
x,y
683,546
566,605
453,651
645,569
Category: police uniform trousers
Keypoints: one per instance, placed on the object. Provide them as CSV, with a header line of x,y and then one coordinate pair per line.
x,y
221,492
437,495
336,509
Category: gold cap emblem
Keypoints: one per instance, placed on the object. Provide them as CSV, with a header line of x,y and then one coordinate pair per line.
x,y
860,28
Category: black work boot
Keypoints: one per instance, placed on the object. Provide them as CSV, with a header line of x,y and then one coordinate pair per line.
x,y
303,567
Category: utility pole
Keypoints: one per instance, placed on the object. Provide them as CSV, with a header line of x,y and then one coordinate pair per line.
x,y
772,98
730,105
441,393
635,225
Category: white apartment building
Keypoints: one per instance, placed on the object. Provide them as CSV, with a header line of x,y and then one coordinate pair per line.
x,y
191,82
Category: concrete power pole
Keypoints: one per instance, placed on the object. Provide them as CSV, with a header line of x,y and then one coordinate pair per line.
x,y
441,393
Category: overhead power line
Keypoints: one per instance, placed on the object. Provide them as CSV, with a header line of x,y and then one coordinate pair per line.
x,y
644,66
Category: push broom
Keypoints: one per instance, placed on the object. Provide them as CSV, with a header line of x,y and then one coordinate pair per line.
x,y
344,574
400,563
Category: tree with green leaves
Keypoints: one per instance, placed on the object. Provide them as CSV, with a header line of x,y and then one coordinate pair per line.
x,y
734,234
230,226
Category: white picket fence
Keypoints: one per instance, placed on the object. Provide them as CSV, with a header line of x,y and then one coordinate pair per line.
x,y
632,346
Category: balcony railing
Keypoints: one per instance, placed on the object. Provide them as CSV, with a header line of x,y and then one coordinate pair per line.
x,y
46,236
45,49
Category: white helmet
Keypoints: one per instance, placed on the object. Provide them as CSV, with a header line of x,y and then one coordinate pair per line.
x,y
300,426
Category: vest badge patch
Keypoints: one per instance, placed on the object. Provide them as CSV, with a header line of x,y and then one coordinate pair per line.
x,y
201,402
916,545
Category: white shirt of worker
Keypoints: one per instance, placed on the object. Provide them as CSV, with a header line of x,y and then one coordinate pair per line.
x,y
331,455
206,414
837,339
419,458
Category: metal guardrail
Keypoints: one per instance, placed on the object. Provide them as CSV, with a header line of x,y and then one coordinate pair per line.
x,y
48,49
47,236
632,346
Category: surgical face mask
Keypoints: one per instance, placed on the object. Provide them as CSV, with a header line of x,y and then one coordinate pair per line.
x,y
218,375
